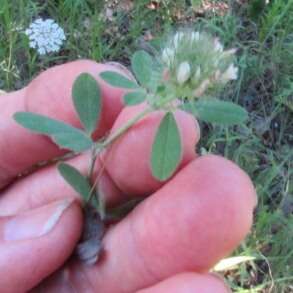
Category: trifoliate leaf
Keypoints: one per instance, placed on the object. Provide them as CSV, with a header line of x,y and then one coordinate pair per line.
x,y
216,111
117,80
142,66
87,101
76,180
134,98
166,150
65,135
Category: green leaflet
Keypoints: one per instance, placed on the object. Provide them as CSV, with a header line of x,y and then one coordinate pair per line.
x,y
117,80
65,135
76,180
217,111
87,101
166,150
142,66
134,98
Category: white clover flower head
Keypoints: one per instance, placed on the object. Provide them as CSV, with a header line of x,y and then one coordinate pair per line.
x,y
198,62
183,72
46,36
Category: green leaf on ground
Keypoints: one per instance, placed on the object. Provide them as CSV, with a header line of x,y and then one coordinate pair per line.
x,y
76,180
166,150
65,135
87,101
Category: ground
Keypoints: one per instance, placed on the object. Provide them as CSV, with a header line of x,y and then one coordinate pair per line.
x,y
263,34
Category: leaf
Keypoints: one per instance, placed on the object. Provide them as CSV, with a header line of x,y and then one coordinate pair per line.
x,y
75,179
231,262
142,65
87,101
166,150
65,135
134,98
117,80
216,111
74,140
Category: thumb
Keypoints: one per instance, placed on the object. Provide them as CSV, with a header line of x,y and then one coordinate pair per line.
x,y
36,243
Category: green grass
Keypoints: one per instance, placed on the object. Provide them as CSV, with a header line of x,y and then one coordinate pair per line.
x,y
264,36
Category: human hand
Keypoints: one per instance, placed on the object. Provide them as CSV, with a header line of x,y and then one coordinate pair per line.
x,y
167,244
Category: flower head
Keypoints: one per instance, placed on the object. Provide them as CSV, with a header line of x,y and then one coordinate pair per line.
x,y
197,62
45,36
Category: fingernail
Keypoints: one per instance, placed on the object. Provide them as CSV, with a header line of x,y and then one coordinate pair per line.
x,y
123,68
35,223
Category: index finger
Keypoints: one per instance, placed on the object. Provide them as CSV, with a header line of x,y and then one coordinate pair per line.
x,y
49,94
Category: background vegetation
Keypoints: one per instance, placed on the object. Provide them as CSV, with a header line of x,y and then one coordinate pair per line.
x,y
113,30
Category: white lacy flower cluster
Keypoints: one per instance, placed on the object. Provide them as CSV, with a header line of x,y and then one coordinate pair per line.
x,y
45,36
198,61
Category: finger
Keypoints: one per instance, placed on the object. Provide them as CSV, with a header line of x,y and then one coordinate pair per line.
x,y
189,282
128,159
49,94
192,222
47,185
36,243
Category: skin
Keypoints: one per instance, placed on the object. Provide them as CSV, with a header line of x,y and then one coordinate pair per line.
x,y
167,244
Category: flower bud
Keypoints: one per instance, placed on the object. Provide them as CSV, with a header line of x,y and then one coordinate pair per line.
x,y
183,72
230,73
217,75
218,46
230,52
168,56
202,88
197,73
178,38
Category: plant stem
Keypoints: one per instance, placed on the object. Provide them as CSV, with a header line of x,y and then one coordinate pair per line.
x,y
92,162
125,127
98,146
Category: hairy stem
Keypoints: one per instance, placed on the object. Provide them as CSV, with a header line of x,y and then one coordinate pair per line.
x,y
125,127
92,162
